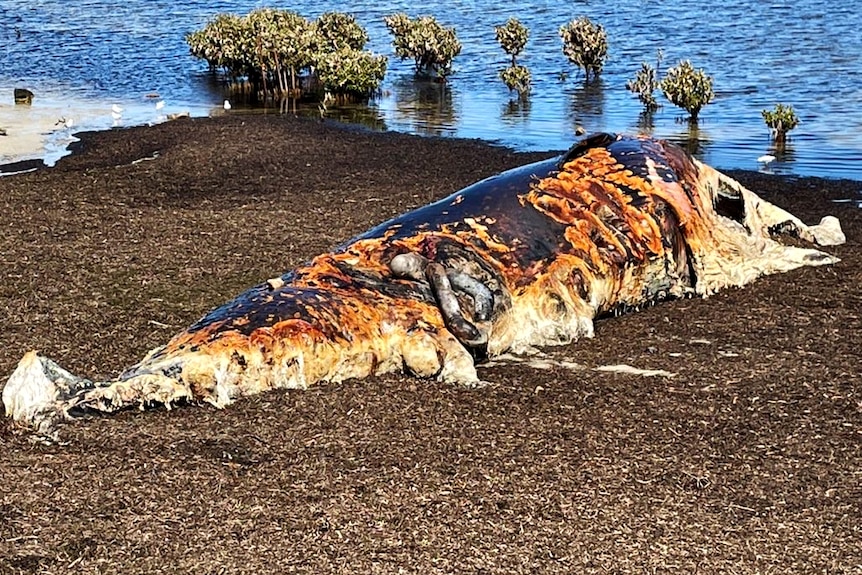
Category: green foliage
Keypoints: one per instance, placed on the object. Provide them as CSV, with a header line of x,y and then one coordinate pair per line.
x,y
220,42
351,72
688,88
780,120
431,46
586,45
643,85
273,50
512,37
284,44
517,78
337,30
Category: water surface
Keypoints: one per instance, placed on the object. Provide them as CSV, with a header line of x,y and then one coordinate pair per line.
x,y
93,53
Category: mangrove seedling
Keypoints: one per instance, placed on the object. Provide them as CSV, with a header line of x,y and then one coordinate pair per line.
x,y
432,46
517,78
688,88
585,45
512,37
645,83
780,120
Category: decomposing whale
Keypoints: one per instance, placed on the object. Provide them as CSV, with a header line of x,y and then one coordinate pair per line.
x,y
526,258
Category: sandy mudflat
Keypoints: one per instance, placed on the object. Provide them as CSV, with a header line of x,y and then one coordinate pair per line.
x,y
747,460
40,132
28,130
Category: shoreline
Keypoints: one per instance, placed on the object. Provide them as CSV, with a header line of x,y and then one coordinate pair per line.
x,y
75,143
31,130
37,136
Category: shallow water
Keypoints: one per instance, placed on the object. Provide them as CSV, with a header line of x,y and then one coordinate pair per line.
x,y
89,54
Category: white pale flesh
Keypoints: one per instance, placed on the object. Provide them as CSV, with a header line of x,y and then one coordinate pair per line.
x,y
828,232
29,391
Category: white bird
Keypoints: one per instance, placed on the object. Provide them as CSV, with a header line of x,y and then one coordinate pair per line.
x,y
116,116
766,159
227,104
160,104
117,109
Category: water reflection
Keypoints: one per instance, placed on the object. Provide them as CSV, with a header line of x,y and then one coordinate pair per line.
x,y
516,111
694,140
210,84
425,106
778,159
783,151
360,114
646,122
588,104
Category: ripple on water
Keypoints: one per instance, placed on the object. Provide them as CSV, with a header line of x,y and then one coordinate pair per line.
x,y
804,54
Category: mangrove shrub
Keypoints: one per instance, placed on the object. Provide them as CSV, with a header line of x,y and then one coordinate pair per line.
x,y
280,52
220,44
282,45
585,45
517,78
512,37
432,46
688,88
780,120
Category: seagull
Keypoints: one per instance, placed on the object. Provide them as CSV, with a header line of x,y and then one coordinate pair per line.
x,y
766,159
227,104
117,109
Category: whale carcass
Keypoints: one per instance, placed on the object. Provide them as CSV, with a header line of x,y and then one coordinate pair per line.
x,y
526,258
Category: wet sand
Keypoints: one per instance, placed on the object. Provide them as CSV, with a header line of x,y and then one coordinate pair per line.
x,y
28,130
746,459
39,133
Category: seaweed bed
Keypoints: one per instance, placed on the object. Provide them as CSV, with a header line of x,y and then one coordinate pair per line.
x,y
747,460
